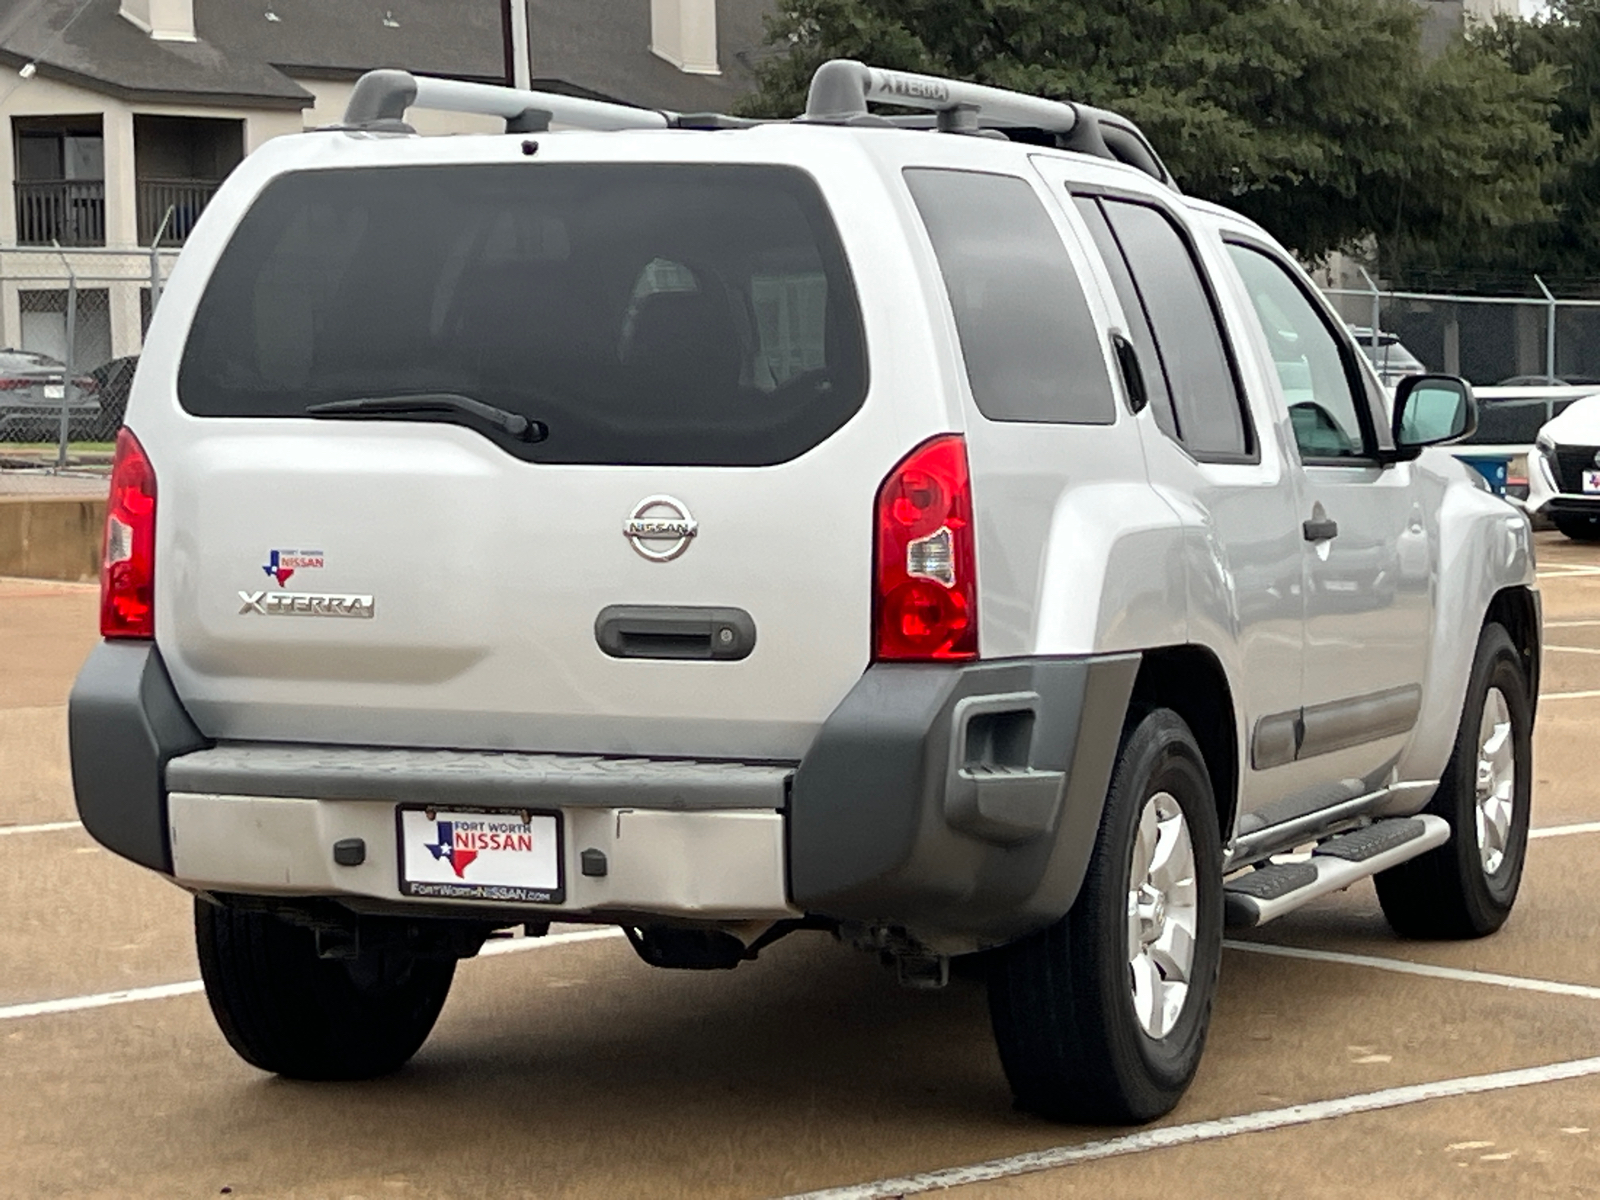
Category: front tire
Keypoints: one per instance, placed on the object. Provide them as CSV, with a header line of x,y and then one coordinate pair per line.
x,y
286,1010
1466,887
1102,1017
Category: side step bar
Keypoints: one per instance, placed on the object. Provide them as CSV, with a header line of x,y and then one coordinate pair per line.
x,y
1276,888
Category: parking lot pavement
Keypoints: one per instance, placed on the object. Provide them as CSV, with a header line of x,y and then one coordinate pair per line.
x,y
1342,1061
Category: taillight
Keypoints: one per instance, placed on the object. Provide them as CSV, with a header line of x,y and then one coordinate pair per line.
x,y
128,569
12,384
925,605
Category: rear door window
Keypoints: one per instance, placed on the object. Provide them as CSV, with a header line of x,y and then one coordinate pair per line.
x,y
1030,344
645,313
1200,376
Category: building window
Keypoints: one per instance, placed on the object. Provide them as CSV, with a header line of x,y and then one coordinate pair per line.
x,y
60,180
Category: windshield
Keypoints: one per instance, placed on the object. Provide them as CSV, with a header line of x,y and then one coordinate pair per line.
x,y
645,313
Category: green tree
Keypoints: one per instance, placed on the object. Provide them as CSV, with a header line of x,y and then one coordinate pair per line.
x,y
1565,247
1318,118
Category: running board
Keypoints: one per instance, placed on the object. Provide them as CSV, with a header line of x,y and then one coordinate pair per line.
x,y
1276,888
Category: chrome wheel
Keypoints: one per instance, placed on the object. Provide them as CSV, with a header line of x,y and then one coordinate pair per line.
x,y
1496,780
1163,906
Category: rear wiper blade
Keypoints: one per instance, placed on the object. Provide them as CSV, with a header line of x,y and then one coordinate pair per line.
x,y
514,424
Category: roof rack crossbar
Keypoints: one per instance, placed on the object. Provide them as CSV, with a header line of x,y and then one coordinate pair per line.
x,y
380,99
842,88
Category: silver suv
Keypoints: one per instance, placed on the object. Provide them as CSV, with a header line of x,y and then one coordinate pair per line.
x,y
934,530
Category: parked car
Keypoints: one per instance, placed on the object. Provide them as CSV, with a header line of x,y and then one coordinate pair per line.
x,y
33,391
1387,354
1564,470
959,545
1548,381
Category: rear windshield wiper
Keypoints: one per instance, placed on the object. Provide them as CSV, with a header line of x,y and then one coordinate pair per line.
x,y
515,424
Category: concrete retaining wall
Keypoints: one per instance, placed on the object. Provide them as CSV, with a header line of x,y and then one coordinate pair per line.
x,y
51,537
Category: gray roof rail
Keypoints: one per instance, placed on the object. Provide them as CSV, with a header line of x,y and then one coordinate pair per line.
x,y
380,99
842,88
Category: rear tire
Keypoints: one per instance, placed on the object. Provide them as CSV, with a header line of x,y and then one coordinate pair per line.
x,y
1466,887
285,1010
1079,1039
1578,528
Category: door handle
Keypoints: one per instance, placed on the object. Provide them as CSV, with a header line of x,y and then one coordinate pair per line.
x,y
1320,529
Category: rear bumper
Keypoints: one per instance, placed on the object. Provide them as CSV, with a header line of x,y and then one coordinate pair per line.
x,y
956,804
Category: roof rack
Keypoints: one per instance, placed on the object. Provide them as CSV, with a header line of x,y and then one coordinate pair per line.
x,y
842,88
840,92
380,99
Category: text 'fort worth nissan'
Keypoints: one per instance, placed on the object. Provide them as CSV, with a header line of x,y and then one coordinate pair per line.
x,y
962,545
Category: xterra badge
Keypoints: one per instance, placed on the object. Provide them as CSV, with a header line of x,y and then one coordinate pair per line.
x,y
304,604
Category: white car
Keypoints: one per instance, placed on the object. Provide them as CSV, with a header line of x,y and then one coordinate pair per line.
x,y
1564,470
962,545
1387,354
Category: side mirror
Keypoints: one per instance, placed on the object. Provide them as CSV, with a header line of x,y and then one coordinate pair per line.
x,y
1430,410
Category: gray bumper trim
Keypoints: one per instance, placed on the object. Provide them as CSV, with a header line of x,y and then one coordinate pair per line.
x,y
960,803
478,777
125,723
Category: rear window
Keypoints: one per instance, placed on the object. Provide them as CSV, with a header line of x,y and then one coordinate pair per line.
x,y
645,313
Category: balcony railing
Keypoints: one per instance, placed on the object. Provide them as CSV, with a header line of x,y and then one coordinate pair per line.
x,y
69,211
186,198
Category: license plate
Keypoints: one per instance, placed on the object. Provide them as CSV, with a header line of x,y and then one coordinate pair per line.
x,y
477,854
1591,481
55,391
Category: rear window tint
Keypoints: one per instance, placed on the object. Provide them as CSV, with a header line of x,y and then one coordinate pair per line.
x,y
646,313
1030,345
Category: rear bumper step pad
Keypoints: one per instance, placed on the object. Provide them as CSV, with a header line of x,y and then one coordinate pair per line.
x,y
498,780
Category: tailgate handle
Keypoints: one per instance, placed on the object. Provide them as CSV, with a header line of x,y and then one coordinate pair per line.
x,y
667,631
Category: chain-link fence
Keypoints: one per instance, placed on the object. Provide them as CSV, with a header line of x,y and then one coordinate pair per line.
x,y
1493,341
72,325
1527,356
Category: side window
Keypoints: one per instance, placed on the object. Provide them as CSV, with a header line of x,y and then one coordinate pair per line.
x,y
1144,340
1030,344
1205,394
1323,407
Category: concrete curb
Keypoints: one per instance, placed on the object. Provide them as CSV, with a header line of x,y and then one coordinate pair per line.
x,y
51,537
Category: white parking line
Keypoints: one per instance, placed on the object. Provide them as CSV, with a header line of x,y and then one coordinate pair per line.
x,y
1565,830
1205,1131
47,827
1399,966
45,1008
1589,695
1578,624
165,991
1576,649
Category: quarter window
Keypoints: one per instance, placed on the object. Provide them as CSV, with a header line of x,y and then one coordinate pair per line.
x,y
1311,370
1030,344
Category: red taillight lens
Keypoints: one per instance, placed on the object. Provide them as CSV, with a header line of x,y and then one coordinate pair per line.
x,y
925,605
128,568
